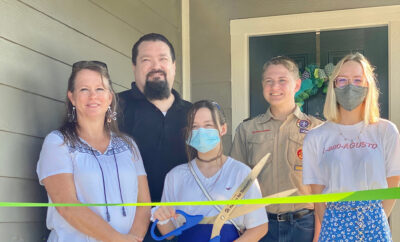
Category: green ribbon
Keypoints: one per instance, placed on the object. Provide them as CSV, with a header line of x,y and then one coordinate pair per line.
x,y
377,194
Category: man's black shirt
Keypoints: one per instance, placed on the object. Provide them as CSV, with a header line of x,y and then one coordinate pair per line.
x,y
160,138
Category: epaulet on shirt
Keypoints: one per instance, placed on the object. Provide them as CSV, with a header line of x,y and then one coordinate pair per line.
x,y
253,118
247,119
314,120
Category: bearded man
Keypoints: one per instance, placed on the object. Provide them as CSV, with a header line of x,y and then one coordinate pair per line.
x,y
153,113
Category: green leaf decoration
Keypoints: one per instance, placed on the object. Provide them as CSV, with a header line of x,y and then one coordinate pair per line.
x,y
313,91
305,85
313,79
319,82
329,69
322,75
325,90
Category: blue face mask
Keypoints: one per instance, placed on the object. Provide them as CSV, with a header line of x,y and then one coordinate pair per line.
x,y
204,140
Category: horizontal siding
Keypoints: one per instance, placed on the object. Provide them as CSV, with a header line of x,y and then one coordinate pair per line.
x,y
172,16
90,20
42,76
39,74
142,16
58,41
148,16
23,214
23,232
15,163
117,88
21,190
27,113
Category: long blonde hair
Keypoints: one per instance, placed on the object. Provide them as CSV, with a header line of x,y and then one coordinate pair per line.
x,y
371,105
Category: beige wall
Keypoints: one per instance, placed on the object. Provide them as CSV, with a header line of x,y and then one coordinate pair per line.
x,y
210,39
39,41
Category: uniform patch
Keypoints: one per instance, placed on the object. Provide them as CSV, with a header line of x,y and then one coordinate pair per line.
x,y
303,131
300,153
302,123
298,167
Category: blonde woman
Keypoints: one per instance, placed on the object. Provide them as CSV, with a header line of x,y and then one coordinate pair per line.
x,y
354,150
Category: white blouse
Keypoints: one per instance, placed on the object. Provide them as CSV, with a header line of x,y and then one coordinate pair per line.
x,y
122,171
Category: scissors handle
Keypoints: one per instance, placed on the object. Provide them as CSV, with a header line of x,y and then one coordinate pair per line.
x,y
191,220
216,239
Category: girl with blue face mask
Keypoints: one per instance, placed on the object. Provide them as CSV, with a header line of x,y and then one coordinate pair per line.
x,y
219,175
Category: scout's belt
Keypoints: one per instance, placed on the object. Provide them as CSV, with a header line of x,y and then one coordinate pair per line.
x,y
283,217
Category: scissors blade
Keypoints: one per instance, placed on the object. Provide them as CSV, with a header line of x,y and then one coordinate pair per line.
x,y
244,209
223,216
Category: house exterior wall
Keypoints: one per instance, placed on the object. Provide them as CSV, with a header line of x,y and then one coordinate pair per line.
x,y
39,41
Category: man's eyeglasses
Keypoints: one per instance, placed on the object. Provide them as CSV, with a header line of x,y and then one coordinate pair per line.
x,y
83,64
341,82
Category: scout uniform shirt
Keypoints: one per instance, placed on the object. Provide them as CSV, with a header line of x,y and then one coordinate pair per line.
x,y
284,140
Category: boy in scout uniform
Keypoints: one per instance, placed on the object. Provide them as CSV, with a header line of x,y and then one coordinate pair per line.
x,y
280,131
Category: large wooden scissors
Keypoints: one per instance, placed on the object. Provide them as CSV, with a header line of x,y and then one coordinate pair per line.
x,y
228,212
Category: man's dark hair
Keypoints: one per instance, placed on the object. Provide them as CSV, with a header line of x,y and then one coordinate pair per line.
x,y
151,37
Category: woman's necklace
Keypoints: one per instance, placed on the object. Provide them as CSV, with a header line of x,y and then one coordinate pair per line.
x,y
212,159
352,139
219,171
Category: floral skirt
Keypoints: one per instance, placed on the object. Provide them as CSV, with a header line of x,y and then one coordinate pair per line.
x,y
355,221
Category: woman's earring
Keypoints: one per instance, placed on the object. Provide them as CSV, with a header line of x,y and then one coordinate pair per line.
x,y
111,115
72,115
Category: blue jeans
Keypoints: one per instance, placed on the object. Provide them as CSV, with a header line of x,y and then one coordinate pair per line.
x,y
301,230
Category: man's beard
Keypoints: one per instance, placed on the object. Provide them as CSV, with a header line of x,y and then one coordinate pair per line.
x,y
156,89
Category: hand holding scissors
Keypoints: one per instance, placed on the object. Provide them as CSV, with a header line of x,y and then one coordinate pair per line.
x,y
228,212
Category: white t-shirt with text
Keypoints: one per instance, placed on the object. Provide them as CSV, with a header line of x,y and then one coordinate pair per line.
x,y
361,158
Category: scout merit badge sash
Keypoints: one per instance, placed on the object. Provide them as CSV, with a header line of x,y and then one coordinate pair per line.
x,y
228,212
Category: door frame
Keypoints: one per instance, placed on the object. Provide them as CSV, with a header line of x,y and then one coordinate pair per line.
x,y
242,29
